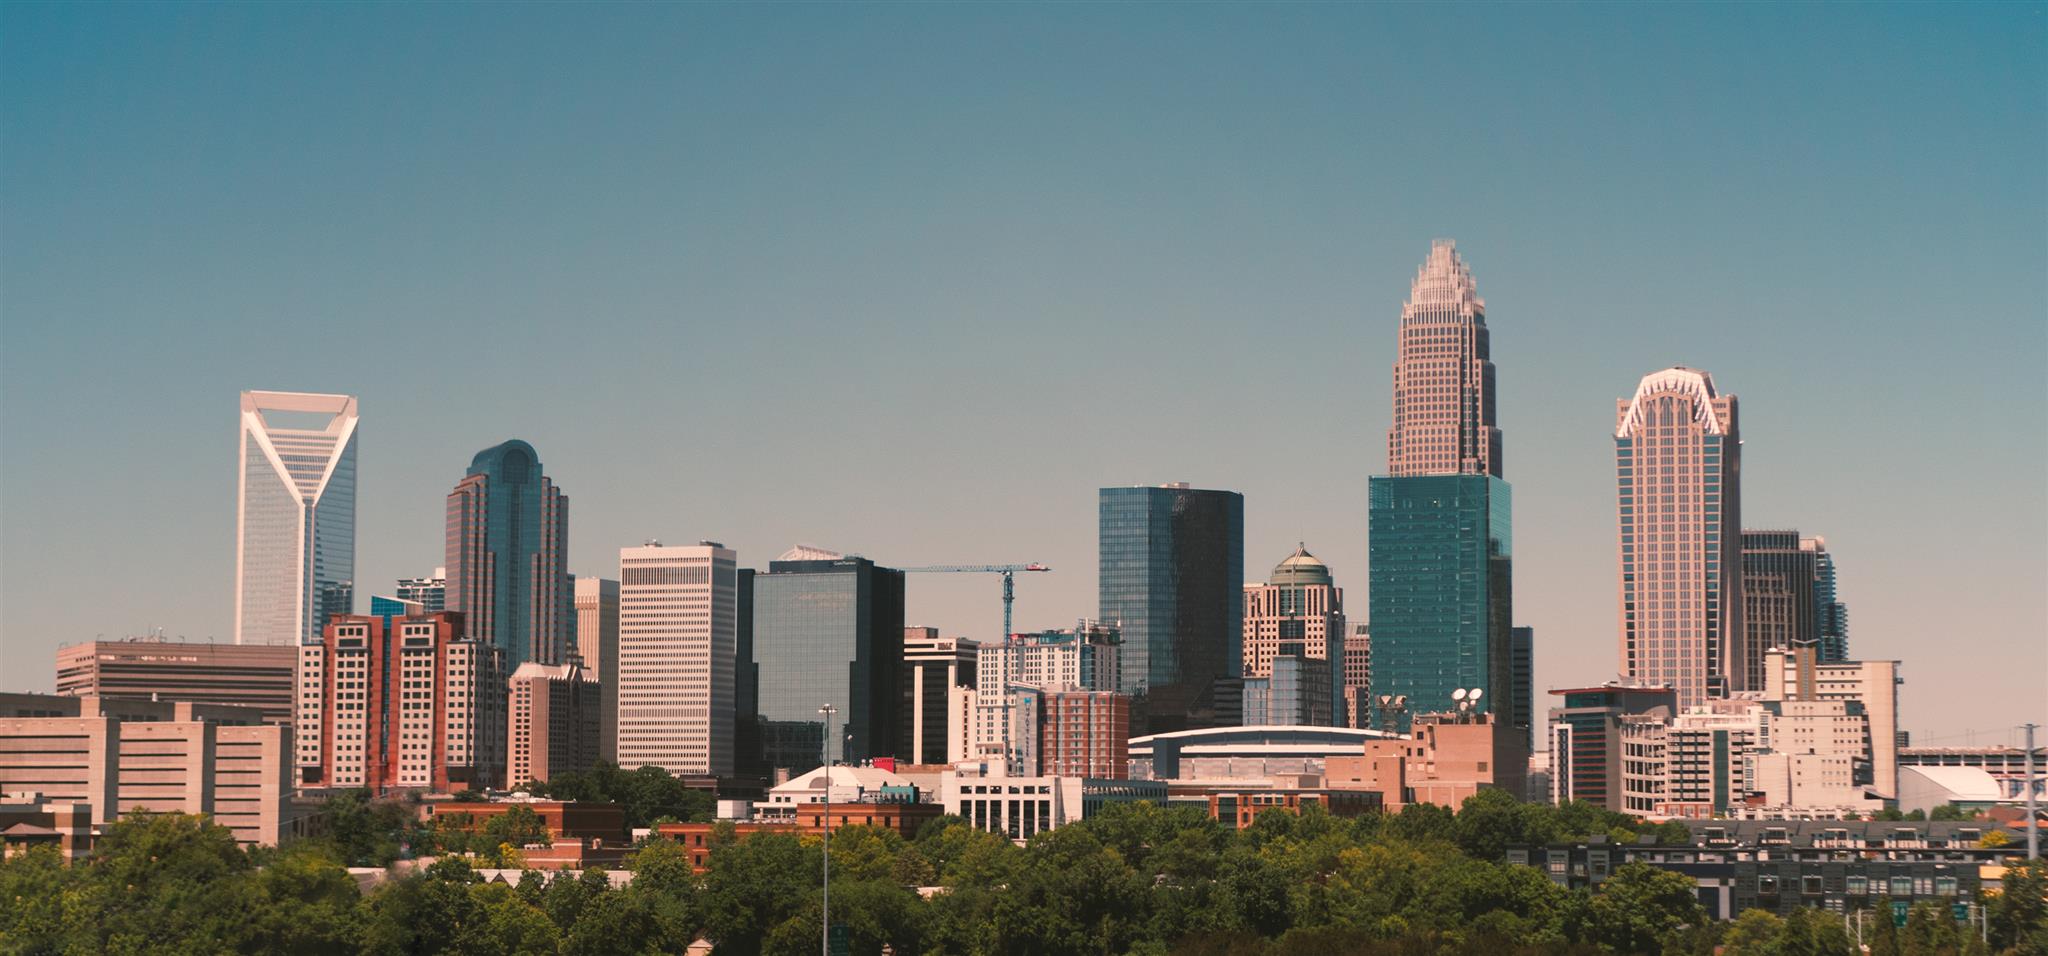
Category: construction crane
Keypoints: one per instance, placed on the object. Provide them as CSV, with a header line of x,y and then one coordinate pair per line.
x,y
1008,571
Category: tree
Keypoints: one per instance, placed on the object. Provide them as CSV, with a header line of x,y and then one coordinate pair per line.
x,y
755,885
622,922
1993,839
1640,909
518,826
1754,933
2018,915
162,883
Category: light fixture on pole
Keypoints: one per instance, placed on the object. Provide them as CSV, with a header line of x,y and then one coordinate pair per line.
x,y
825,912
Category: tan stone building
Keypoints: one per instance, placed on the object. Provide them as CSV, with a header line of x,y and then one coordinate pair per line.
x,y
553,728
1444,759
121,756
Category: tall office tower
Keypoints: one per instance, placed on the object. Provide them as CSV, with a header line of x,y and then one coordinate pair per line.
x,y
1172,578
932,667
1443,379
597,647
1084,657
257,676
1440,562
553,722
1299,607
678,642
295,515
1678,464
1522,644
508,546
1827,604
408,703
1440,547
430,593
1357,676
828,629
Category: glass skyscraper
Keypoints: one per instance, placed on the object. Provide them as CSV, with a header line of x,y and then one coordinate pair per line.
x,y
1440,549
507,556
826,629
1172,578
1440,561
1788,597
295,516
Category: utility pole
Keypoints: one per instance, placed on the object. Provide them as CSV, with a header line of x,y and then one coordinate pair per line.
x,y
2033,826
825,917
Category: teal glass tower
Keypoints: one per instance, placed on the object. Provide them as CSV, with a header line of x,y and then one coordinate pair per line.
x,y
1172,577
1440,558
507,556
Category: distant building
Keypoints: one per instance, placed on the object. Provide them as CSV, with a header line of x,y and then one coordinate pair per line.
x,y
1445,759
932,667
1358,676
1798,674
1086,656
1299,612
1441,567
1245,753
554,722
1085,733
1021,806
827,629
507,547
1296,689
570,820
102,758
1586,738
258,676
1522,651
431,593
409,704
1788,588
1678,462
1444,389
677,658
597,646
295,515
1172,576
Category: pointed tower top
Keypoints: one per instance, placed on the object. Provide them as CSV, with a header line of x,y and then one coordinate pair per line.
x,y
1444,281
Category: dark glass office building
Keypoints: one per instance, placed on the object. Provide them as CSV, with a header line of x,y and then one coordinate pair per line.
x,y
1441,601
824,630
507,556
1524,655
1172,577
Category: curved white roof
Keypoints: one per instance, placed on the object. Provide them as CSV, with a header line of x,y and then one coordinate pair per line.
x,y
1690,382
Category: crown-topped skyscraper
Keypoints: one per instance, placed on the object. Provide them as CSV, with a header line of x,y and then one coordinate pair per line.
x,y
1440,551
1443,377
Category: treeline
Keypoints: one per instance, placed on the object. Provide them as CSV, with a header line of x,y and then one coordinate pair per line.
x,y
1138,879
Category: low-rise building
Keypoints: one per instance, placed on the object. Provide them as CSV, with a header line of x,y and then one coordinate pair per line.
x,y
27,820
565,819
1445,759
238,675
1226,754
989,798
119,756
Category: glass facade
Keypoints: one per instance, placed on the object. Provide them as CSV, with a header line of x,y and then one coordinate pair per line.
x,y
824,632
1523,654
507,556
1172,578
296,516
1296,692
1441,599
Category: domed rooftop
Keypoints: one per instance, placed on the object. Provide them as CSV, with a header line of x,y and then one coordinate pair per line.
x,y
1300,569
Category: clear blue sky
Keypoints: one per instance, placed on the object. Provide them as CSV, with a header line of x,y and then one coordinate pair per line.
x,y
914,280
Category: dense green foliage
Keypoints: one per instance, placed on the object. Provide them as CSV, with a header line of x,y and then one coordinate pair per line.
x,y
1138,879
650,794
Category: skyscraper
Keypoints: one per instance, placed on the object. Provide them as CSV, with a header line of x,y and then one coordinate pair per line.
x,y
1440,556
1358,676
295,515
1522,641
1678,464
1440,544
508,545
1443,378
932,667
1172,578
827,629
1298,612
1827,604
400,703
597,645
430,593
678,637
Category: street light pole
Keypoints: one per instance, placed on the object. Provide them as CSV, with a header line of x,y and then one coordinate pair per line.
x,y
825,916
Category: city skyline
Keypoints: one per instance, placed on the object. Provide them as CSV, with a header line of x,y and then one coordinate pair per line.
x,y
938,352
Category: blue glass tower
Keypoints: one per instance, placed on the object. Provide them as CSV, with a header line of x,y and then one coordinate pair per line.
x,y
1172,577
1441,558
507,556
821,628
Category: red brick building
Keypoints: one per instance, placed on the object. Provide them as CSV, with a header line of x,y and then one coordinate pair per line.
x,y
1085,733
